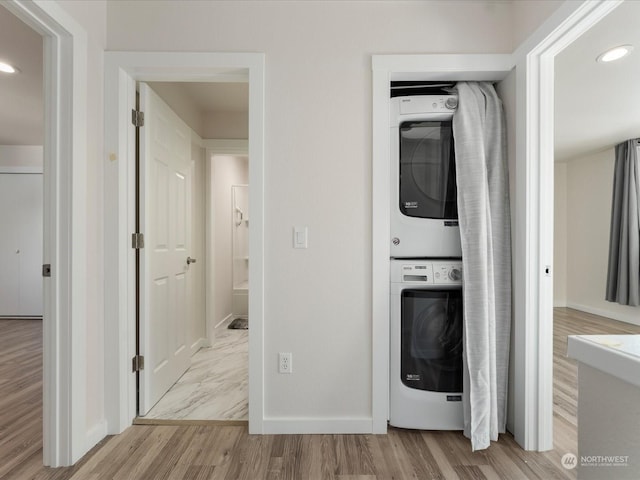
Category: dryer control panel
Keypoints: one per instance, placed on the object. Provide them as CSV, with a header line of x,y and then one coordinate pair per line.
x,y
426,272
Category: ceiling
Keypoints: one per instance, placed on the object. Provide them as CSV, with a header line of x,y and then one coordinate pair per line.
x,y
218,97
597,105
21,98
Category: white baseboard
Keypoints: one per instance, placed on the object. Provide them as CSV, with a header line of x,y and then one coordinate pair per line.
x,y
317,425
95,434
228,317
632,317
560,304
200,343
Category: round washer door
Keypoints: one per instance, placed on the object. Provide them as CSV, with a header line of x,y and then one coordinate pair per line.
x,y
431,339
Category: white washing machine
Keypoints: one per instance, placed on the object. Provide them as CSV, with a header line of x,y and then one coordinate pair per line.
x,y
425,367
424,212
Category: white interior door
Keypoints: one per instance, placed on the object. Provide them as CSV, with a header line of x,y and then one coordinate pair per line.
x,y
165,210
21,244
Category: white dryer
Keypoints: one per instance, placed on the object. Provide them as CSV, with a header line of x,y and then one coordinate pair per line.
x,y
424,212
425,367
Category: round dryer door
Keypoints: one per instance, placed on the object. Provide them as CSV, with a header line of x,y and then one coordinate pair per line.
x,y
427,170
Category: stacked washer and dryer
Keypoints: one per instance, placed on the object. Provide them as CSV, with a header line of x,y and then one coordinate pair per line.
x,y
425,374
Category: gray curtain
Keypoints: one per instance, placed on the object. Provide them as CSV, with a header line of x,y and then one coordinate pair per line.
x,y
623,276
483,210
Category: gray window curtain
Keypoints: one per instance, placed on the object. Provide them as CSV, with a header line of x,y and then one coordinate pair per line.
x,y
483,211
623,276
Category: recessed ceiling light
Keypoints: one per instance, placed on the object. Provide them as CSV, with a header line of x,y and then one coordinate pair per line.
x,y
615,53
6,68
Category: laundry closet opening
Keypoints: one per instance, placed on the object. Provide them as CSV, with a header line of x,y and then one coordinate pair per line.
x,y
192,325
425,254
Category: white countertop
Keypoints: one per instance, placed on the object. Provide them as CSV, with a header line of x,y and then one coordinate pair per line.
x,y
617,355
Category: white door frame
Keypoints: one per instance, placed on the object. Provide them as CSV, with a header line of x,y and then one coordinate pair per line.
x,y
535,207
122,70
387,68
533,232
65,436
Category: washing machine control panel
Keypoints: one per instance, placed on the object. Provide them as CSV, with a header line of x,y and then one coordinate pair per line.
x,y
447,274
427,272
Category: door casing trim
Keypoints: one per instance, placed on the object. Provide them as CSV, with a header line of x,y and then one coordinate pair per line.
x,y
122,70
66,435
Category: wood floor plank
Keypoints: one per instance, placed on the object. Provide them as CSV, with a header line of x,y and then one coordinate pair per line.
x,y
225,452
313,460
291,456
422,461
353,455
356,477
256,457
489,472
442,459
384,470
469,472
274,469
395,457
168,457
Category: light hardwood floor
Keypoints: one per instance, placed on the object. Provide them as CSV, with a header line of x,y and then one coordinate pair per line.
x,y
199,452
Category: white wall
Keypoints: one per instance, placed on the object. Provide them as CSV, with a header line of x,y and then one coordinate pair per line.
x,y
318,162
226,170
21,156
560,236
589,182
91,15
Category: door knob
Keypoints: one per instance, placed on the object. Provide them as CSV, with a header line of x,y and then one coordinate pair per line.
x,y
190,260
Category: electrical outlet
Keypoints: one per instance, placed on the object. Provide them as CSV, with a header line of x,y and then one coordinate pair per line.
x,y
285,364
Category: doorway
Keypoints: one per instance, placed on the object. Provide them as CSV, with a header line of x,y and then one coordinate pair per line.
x,y
21,167
583,181
199,372
21,243
65,45
122,70
537,187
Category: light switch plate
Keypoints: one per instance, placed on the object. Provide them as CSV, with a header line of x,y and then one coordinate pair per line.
x,y
300,237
